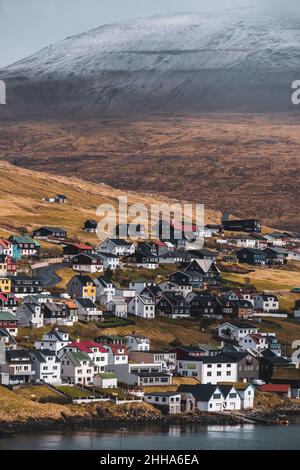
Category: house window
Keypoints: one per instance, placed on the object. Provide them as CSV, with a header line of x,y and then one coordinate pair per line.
x,y
216,396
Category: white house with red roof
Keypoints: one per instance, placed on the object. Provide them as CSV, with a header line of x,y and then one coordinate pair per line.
x,y
117,354
6,247
96,352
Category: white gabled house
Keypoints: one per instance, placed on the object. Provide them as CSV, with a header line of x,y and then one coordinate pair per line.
x,y
106,380
142,306
117,354
105,288
115,246
53,340
235,331
46,365
110,261
166,400
137,342
212,398
96,352
30,314
87,310
118,306
266,303
77,368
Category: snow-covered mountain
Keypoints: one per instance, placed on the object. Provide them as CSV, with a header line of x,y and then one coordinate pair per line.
x,y
236,60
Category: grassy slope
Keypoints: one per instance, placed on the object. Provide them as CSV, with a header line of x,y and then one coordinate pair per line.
x,y
22,192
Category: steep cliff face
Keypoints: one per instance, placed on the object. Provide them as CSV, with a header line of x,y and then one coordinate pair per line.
x,y
236,60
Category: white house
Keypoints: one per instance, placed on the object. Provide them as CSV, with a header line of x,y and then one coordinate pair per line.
x,y
87,310
242,242
212,398
118,247
105,288
46,365
96,352
89,263
141,374
170,401
106,380
276,239
247,393
235,331
30,314
53,341
77,368
142,306
266,303
117,354
139,285
293,255
137,342
209,369
118,306
110,261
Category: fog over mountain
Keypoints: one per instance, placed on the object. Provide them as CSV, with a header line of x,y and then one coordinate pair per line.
x,y
236,60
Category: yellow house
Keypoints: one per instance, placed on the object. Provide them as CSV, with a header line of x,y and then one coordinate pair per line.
x,y
82,286
5,285
89,290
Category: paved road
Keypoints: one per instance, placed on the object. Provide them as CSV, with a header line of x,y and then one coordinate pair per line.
x,y
48,274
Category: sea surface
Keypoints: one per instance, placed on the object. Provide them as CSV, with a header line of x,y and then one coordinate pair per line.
x,y
252,437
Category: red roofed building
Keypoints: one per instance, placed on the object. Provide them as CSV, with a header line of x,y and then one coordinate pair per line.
x,y
74,249
117,354
97,352
278,389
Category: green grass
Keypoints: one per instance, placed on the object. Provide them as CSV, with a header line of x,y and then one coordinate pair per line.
x,y
74,392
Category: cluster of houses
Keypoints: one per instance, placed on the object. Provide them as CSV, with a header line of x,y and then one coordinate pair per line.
x,y
226,375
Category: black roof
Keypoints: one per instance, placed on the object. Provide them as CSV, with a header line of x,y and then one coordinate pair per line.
x,y
201,392
219,358
85,302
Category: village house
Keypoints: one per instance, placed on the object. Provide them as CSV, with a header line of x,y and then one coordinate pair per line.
x,y
16,368
203,253
167,359
173,306
175,257
277,239
142,306
77,368
247,225
110,261
9,321
137,342
240,294
270,363
82,286
30,314
212,398
175,231
111,339
5,285
186,281
87,310
247,365
27,245
203,305
209,270
252,256
105,380
141,375
169,401
43,233
282,390
46,366
105,289
118,306
96,352
8,301
116,246
260,341
90,226
235,331
261,241
276,255
89,263
266,303
8,267
53,340
9,249
154,292
140,284
199,350
209,369
241,241
154,247
23,285
7,340
117,354
73,249
288,376
56,313
142,260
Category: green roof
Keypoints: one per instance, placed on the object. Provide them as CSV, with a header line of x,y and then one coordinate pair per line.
x,y
25,239
7,316
107,375
76,357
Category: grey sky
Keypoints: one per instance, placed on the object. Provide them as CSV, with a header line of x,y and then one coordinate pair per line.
x,y
27,26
